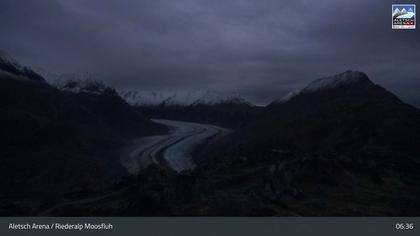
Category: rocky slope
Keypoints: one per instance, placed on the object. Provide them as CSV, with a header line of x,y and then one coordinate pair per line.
x,y
56,142
341,146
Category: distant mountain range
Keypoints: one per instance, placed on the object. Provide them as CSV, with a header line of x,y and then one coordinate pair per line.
x,y
340,146
178,98
76,82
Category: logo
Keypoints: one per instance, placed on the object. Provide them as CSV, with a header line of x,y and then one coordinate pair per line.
x,y
403,16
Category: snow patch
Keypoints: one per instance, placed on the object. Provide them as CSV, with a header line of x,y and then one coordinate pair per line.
x,y
327,83
334,81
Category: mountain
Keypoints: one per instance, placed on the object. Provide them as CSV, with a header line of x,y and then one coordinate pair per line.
x,y
55,143
207,107
86,87
59,80
333,82
342,145
349,101
10,68
144,98
178,98
403,14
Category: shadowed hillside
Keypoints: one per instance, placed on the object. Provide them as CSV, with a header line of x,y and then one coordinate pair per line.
x,y
55,142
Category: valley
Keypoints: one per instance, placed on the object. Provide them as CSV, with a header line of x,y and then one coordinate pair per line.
x,y
340,146
172,150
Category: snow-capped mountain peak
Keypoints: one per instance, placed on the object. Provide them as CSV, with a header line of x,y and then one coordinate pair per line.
x,y
335,81
327,83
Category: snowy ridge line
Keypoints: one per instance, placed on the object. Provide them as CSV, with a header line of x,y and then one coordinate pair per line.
x,y
179,98
327,83
11,68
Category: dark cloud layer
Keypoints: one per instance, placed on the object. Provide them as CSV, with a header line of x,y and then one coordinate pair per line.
x,y
261,49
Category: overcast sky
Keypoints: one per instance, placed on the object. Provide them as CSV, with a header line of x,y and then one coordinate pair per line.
x,y
259,48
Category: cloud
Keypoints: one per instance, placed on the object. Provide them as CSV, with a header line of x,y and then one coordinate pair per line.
x,y
261,49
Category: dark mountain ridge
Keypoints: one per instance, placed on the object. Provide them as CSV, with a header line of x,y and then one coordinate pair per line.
x,y
55,142
349,116
13,68
347,148
340,147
